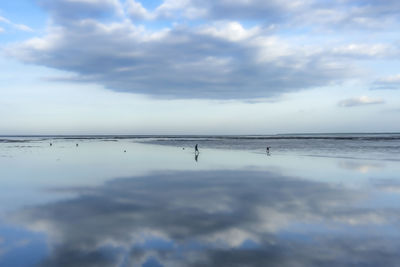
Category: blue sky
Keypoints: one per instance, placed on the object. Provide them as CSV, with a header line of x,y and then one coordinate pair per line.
x,y
199,67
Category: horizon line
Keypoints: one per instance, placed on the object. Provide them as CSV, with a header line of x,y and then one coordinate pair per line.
x,y
193,135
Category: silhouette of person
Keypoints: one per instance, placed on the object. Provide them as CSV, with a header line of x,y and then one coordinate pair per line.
x,y
196,149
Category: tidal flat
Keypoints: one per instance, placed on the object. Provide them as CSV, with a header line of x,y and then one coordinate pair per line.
x,y
330,200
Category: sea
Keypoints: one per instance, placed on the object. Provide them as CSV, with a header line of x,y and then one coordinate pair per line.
x,y
240,200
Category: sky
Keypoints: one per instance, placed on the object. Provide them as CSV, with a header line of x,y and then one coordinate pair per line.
x,y
199,66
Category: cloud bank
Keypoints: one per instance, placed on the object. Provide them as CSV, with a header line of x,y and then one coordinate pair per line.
x,y
205,49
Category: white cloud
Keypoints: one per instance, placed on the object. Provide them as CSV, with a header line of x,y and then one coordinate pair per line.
x,y
340,14
365,50
349,15
3,19
232,31
360,101
180,8
232,49
20,27
387,83
222,60
136,10
392,78
23,27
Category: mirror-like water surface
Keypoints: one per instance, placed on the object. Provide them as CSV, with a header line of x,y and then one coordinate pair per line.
x,y
151,201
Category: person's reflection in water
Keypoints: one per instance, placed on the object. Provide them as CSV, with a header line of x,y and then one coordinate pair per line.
x,y
196,157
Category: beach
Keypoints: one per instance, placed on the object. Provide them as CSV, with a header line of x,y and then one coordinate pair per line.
x,y
187,133
313,200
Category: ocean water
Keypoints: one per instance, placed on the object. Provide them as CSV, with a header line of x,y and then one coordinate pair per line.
x,y
313,200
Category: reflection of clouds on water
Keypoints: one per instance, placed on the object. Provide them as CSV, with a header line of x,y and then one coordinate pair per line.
x,y
362,167
221,218
1,246
321,253
19,247
388,185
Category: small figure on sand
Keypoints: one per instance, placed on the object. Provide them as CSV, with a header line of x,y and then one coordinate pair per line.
x,y
77,145
268,150
196,149
51,144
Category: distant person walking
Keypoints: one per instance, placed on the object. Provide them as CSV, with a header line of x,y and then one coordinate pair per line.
x,y
196,149
268,149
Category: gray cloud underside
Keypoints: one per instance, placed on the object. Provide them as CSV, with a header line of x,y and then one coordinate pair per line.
x,y
65,11
212,211
179,64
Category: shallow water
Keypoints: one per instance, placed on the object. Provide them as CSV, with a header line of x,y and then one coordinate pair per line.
x,y
310,202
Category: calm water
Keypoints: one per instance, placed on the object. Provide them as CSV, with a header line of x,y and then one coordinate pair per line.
x,y
315,200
